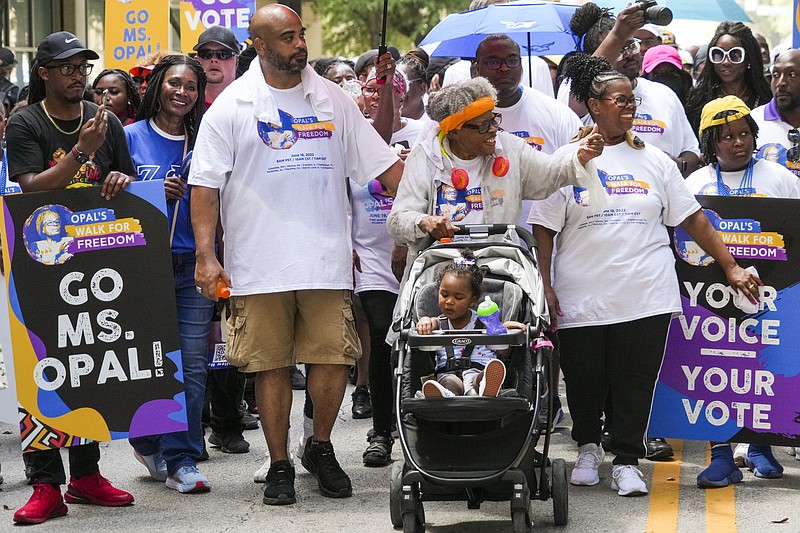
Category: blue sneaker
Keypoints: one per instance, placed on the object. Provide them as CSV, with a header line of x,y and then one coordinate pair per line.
x,y
155,465
188,479
762,463
722,471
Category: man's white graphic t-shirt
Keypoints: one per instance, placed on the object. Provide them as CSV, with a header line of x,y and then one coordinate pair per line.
x,y
773,137
545,123
617,265
282,173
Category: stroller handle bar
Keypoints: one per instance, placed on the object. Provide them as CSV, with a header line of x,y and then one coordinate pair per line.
x,y
462,338
484,231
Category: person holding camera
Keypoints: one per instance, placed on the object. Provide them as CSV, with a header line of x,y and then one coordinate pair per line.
x,y
660,119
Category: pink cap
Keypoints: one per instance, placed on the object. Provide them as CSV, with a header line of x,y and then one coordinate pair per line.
x,y
657,55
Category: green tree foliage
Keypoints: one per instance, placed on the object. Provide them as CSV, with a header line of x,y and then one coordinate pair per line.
x,y
353,26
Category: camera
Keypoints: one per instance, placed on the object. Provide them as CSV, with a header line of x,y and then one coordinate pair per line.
x,y
654,13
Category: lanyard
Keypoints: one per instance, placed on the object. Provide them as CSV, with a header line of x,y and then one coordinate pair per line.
x,y
745,186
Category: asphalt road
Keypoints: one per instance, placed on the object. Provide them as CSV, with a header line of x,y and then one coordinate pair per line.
x,y
234,504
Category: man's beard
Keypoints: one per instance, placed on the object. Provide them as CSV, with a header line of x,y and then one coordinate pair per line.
x,y
290,66
791,105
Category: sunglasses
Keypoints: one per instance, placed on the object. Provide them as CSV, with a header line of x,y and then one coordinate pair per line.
x,y
68,69
793,154
483,128
222,55
717,55
495,63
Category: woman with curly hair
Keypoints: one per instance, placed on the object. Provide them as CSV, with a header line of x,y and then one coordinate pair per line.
x,y
122,98
660,119
613,317
735,68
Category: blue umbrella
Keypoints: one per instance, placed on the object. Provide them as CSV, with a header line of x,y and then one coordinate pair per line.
x,y
540,28
715,10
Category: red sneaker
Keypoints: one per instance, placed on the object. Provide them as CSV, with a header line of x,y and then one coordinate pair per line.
x,y
45,503
96,489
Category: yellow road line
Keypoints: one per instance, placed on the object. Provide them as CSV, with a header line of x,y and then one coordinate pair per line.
x,y
720,506
665,493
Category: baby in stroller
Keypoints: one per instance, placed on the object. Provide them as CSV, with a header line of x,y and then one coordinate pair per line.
x,y
459,288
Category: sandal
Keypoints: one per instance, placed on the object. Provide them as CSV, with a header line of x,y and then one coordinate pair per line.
x,y
379,451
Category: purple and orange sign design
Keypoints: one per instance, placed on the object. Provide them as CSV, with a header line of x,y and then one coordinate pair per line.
x,y
729,375
92,315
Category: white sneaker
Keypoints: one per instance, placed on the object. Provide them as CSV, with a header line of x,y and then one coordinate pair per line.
x,y
791,450
260,475
585,472
628,480
434,389
740,454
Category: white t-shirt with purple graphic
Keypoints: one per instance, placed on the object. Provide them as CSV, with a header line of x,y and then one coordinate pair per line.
x,y
617,265
282,174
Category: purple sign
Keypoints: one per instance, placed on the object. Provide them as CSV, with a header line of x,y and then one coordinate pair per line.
x,y
200,15
729,375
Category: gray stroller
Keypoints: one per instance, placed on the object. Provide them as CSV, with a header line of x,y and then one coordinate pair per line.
x,y
477,449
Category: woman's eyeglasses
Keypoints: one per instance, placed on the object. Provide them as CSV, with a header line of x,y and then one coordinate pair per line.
x,y
68,69
793,154
484,127
717,55
622,101
222,55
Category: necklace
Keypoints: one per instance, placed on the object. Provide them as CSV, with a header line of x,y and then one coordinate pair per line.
x,y
73,132
745,185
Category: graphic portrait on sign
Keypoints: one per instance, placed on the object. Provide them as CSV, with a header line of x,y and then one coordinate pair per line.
x,y
92,316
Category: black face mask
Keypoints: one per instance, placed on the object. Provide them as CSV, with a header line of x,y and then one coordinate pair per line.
x,y
673,82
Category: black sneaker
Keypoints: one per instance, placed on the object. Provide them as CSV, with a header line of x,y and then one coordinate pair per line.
x,y
249,421
280,484
229,442
379,451
362,403
320,460
658,450
297,378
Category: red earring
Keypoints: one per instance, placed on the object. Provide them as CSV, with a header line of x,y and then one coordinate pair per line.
x,y
500,167
460,178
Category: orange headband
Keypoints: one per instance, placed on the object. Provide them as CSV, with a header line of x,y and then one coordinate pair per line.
x,y
459,118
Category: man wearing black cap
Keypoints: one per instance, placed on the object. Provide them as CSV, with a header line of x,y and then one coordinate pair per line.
x,y
9,92
218,51
59,141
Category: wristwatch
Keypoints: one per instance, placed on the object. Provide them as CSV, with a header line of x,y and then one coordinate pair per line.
x,y
79,156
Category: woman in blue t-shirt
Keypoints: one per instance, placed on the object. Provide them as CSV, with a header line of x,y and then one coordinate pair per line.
x,y
159,140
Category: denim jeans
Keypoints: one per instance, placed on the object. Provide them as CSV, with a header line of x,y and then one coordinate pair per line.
x,y
194,325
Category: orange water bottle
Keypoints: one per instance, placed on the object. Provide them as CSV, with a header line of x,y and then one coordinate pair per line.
x,y
223,291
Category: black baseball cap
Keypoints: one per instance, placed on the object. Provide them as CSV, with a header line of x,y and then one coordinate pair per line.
x,y
7,56
220,35
61,45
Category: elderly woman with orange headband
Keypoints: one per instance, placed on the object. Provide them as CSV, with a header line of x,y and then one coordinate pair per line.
x,y
463,170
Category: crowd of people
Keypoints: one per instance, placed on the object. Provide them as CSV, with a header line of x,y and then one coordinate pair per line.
x,y
405,147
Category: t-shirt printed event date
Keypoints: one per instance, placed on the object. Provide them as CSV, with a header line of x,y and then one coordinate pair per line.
x,y
616,185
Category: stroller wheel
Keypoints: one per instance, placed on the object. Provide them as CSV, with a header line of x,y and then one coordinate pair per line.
x,y
414,522
560,492
521,521
395,489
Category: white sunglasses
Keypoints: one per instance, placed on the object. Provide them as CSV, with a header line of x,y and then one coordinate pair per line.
x,y
717,55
